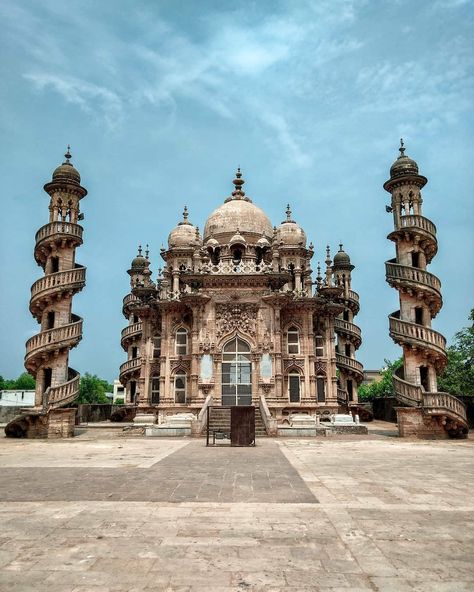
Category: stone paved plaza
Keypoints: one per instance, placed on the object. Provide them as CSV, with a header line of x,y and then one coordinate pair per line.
x,y
106,512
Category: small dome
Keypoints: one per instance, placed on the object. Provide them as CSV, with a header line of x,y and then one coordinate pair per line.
x,y
404,165
237,239
263,242
211,242
184,234
140,262
341,258
66,172
289,233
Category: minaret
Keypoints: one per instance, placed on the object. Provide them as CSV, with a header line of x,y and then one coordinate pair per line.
x,y
47,353
348,333
424,350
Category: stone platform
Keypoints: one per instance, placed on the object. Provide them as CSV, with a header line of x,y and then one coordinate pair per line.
x,y
107,513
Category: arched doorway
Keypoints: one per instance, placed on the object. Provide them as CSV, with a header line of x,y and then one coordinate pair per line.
x,y
236,373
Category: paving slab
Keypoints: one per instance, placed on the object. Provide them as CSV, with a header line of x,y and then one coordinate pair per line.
x,y
126,515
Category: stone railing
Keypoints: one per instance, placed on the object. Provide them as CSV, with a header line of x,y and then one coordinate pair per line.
x,y
416,221
130,366
67,229
269,422
406,392
354,296
342,396
406,330
437,403
57,396
347,327
131,332
228,267
68,279
395,271
199,424
350,363
128,299
51,339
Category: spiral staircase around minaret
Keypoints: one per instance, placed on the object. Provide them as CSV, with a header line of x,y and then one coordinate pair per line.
x,y
47,352
424,349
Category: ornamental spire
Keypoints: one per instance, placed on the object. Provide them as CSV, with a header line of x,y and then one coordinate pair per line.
x,y
402,148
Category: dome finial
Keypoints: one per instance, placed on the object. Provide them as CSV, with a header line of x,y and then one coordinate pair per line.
x,y
67,156
340,247
402,147
147,252
185,214
140,250
238,193
288,213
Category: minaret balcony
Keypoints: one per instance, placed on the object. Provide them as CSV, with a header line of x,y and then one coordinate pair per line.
x,y
58,231
419,228
130,367
131,333
52,285
57,396
351,331
351,366
353,301
41,345
414,280
410,334
127,301
444,403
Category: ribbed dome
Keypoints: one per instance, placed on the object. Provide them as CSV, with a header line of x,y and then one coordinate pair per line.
x,y
238,211
66,171
341,258
404,165
289,233
140,262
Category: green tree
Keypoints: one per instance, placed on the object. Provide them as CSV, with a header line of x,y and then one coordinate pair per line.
x,y
458,378
25,382
92,389
384,386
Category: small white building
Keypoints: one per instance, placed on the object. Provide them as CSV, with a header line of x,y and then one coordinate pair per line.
x,y
17,398
120,391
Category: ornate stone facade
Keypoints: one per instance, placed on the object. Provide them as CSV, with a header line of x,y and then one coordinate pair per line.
x,y
236,317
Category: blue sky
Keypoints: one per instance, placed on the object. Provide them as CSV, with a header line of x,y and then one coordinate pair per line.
x,y
162,100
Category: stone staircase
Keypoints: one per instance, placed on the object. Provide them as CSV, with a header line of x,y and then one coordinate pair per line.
x,y
220,421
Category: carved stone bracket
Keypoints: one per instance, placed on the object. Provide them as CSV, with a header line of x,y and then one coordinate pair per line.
x,y
320,366
292,363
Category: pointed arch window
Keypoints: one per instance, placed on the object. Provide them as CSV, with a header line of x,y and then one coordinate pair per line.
x,y
155,389
180,387
181,342
294,387
293,340
321,388
319,346
236,373
157,345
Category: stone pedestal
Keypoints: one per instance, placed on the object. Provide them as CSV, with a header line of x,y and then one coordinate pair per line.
x,y
61,423
413,423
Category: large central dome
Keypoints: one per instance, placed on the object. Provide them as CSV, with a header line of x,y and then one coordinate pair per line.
x,y
238,213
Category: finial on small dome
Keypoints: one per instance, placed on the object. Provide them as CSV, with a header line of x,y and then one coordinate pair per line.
x,y
147,252
288,213
319,278
402,147
340,247
140,250
185,214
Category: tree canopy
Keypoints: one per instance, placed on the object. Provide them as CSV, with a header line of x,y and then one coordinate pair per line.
x,y
92,389
25,382
458,378
382,387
